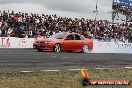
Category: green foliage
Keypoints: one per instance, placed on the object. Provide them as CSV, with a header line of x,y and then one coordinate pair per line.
x,y
61,79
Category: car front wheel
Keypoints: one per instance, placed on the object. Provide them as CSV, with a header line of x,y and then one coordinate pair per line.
x,y
57,48
85,49
39,50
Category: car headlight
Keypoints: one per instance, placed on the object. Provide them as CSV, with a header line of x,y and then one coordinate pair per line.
x,y
48,42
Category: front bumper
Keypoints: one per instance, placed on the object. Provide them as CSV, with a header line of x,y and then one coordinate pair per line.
x,y
44,46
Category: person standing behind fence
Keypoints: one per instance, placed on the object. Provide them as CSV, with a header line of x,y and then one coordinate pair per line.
x,y
130,37
0,27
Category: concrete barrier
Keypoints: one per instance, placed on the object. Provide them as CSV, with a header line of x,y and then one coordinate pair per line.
x,y
112,47
99,47
12,42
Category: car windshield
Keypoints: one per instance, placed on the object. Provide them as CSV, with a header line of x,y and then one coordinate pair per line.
x,y
58,35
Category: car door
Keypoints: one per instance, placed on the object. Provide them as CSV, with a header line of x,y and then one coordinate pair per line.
x,y
78,42
69,42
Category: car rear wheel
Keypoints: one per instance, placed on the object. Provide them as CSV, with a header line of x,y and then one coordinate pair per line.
x,y
85,49
57,48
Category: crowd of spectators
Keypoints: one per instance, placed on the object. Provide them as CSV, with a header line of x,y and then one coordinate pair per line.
x,y
123,8
31,25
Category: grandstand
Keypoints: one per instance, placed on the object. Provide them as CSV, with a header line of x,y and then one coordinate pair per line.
x,y
123,7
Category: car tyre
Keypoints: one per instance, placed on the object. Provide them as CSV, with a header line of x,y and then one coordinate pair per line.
x,y
57,48
39,50
85,49
34,47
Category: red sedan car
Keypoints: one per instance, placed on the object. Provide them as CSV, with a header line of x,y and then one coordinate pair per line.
x,y
65,42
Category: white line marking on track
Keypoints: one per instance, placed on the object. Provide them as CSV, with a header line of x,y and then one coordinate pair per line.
x,y
128,67
26,71
50,70
102,68
70,70
75,69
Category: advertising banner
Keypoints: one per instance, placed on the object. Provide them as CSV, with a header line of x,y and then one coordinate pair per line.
x,y
12,42
123,3
112,47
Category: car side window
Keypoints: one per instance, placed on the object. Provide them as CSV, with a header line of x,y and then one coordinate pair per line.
x,y
70,37
77,37
82,38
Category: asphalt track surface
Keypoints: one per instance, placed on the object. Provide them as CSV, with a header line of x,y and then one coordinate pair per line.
x,y
32,60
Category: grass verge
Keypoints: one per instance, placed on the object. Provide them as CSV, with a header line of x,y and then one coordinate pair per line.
x,y
61,79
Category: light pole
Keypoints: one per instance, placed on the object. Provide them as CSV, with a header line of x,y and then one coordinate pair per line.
x,y
96,13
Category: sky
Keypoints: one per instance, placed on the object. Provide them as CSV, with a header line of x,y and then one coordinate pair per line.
x,y
65,8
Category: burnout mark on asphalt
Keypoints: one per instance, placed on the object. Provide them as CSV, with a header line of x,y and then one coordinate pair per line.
x,y
65,57
54,56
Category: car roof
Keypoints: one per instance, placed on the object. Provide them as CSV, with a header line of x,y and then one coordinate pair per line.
x,y
69,33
